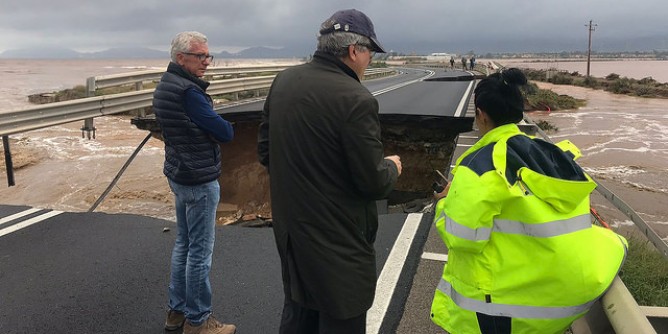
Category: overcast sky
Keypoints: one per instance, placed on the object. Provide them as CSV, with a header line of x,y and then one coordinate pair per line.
x,y
401,25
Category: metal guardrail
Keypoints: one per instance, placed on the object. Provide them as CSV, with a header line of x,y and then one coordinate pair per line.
x,y
69,111
51,114
138,78
640,223
623,312
379,71
106,81
113,80
616,312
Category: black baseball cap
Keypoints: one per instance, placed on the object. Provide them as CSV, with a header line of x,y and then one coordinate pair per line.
x,y
352,20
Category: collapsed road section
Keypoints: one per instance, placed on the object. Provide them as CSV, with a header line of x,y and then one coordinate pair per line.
x,y
422,131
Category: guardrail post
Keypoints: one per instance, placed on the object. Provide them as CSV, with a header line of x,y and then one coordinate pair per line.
x,y
139,86
89,125
8,161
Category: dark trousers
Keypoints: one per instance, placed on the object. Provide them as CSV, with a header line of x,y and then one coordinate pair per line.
x,y
490,324
299,320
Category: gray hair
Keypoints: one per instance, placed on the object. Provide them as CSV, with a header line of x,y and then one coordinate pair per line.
x,y
183,41
336,43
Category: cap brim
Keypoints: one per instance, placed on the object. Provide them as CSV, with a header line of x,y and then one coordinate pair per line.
x,y
376,45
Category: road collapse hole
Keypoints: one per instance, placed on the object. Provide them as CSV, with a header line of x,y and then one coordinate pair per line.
x,y
245,198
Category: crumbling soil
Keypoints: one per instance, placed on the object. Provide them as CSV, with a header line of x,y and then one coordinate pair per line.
x,y
244,182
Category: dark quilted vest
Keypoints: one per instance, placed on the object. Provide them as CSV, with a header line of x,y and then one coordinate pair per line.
x,y
191,156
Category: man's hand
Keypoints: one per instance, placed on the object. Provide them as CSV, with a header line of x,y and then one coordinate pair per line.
x,y
396,160
442,194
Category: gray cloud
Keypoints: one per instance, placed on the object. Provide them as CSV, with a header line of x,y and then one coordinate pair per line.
x,y
402,25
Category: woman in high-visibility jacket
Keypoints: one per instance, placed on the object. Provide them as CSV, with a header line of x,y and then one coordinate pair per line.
x,y
523,254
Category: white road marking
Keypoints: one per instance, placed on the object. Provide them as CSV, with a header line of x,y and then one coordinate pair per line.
x,y
29,222
389,277
464,100
403,84
18,215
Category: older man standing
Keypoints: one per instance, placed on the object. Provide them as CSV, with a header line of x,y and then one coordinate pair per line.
x,y
320,139
192,132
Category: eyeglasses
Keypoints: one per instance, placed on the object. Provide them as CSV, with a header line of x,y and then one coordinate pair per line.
x,y
369,48
200,56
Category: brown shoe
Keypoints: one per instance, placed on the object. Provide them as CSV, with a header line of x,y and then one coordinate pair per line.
x,y
174,320
209,326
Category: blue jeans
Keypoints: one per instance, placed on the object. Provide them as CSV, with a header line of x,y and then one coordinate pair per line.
x,y
189,286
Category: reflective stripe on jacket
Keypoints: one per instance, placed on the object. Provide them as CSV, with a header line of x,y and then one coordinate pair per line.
x,y
520,239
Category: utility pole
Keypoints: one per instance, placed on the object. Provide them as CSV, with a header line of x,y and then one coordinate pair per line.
x,y
592,27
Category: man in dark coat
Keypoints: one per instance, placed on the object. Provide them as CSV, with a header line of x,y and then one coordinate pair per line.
x,y
320,140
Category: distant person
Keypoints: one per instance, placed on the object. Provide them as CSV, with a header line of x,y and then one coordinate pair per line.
x,y
452,62
523,254
192,132
464,61
472,61
320,140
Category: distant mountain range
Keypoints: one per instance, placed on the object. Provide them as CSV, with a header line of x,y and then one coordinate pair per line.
x,y
482,45
142,53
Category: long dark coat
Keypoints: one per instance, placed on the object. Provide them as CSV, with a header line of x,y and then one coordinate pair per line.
x,y
320,138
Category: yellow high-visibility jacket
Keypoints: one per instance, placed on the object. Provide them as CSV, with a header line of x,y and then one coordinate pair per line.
x,y
521,243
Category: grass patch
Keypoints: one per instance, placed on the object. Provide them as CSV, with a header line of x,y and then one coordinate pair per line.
x,y
544,99
645,87
645,273
547,126
70,94
378,64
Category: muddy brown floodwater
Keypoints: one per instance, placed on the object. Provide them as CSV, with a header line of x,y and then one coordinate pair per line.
x,y
56,168
624,141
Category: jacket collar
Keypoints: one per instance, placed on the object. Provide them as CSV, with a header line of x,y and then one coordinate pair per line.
x,y
500,132
177,69
493,136
322,57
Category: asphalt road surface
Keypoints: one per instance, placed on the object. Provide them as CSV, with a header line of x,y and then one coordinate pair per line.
x,y
108,273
